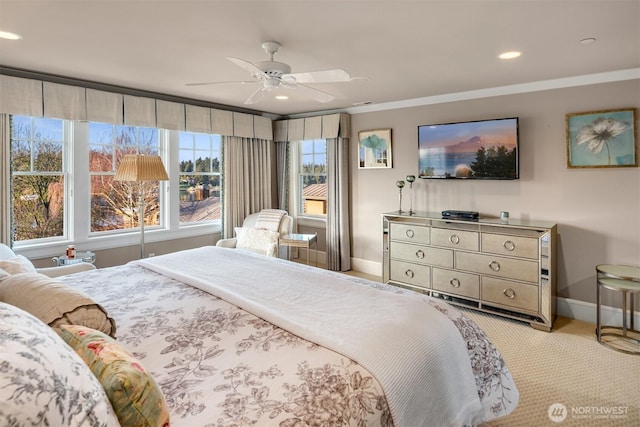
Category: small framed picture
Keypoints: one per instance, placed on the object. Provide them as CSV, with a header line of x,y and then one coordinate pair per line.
x,y
374,147
602,139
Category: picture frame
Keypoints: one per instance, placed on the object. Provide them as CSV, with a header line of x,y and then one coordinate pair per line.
x,y
374,149
602,139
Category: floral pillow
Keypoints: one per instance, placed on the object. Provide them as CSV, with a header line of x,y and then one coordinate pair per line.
x,y
43,381
134,394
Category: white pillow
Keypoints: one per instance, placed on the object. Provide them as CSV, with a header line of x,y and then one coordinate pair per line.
x,y
43,381
17,264
258,240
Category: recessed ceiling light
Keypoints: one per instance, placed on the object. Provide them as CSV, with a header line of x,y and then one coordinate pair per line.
x,y
588,40
282,97
509,55
9,36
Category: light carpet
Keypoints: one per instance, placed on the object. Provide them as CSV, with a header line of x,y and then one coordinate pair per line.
x,y
565,378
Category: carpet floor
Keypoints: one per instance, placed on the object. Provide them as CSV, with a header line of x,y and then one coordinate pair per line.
x,y
565,378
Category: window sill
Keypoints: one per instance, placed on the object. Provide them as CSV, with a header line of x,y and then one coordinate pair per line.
x,y
96,243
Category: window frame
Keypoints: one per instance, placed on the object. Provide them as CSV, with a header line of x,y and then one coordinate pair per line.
x,y
78,202
297,181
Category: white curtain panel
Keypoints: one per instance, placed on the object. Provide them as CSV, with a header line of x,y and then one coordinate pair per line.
x,y
247,180
338,228
5,181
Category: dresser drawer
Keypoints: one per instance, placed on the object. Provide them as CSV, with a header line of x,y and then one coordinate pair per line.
x,y
524,247
456,282
421,254
492,265
409,233
511,294
455,239
413,274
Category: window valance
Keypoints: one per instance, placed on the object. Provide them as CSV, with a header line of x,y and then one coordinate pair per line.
x,y
38,98
316,127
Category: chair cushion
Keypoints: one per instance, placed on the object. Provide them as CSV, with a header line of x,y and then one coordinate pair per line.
x,y
258,240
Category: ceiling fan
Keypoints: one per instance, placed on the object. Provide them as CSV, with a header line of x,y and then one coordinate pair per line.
x,y
272,74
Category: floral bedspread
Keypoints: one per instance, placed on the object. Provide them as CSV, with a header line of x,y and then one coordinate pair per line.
x,y
219,365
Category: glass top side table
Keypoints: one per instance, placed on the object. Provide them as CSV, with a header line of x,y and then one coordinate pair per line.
x,y
89,257
297,240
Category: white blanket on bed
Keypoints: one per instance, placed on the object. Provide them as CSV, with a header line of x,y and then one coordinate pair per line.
x,y
413,350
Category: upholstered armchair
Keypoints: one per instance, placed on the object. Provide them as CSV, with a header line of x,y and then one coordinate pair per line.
x,y
19,264
259,233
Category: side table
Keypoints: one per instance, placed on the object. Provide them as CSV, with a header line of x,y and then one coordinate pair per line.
x,y
624,279
302,241
89,257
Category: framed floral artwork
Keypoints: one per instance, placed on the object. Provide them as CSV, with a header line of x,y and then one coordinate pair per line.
x,y
374,148
602,139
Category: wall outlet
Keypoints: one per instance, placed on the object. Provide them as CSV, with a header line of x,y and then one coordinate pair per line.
x,y
151,254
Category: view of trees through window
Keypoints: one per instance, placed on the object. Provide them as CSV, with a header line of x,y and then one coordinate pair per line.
x,y
313,177
199,176
51,157
115,204
37,149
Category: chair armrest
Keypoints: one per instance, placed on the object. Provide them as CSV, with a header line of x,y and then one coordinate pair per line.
x,y
227,243
66,269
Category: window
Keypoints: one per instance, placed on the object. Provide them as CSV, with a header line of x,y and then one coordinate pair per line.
x,y
64,189
199,156
39,178
312,177
114,204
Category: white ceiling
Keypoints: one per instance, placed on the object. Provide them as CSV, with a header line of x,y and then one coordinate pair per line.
x,y
401,49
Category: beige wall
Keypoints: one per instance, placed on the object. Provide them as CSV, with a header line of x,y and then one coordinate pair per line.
x,y
597,210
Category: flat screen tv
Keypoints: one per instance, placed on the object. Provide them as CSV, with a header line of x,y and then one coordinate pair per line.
x,y
484,149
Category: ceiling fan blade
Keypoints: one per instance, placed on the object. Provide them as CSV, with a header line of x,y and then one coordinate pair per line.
x,y
326,76
221,83
249,67
313,93
255,97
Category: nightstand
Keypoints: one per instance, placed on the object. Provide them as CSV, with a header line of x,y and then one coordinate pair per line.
x,y
302,241
89,257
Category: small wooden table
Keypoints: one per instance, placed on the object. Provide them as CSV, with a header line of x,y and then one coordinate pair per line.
x,y
297,240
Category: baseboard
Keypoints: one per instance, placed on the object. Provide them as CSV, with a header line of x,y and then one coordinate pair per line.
x,y
586,311
567,307
365,266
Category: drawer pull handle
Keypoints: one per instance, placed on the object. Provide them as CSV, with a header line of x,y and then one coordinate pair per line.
x,y
420,254
409,273
409,233
454,239
494,265
509,293
509,245
455,282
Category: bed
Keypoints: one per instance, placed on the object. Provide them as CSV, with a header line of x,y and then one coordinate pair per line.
x,y
235,338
